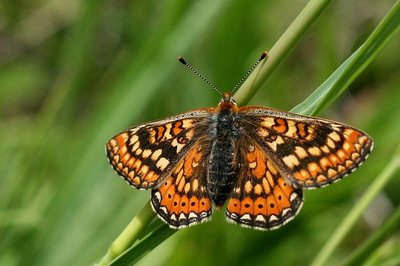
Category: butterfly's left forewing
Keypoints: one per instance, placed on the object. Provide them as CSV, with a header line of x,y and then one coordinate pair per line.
x,y
309,152
145,155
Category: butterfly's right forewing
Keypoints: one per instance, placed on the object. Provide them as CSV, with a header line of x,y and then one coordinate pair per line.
x,y
145,155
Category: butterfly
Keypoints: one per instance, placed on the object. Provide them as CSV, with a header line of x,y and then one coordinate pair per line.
x,y
255,159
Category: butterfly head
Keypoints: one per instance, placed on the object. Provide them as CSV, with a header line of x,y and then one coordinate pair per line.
x,y
227,101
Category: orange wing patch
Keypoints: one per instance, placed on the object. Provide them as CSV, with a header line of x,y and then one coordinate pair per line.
x,y
262,198
182,199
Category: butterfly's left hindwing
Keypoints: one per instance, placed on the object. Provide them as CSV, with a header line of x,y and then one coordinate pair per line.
x,y
146,154
261,198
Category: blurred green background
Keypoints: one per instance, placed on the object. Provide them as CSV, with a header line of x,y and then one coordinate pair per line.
x,y
74,73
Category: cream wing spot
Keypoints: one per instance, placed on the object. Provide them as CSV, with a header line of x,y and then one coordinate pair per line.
x,y
146,153
330,143
136,146
300,152
272,168
268,122
325,149
156,154
358,147
285,211
167,133
321,179
248,187
138,151
273,145
253,165
133,139
260,218
162,163
292,129
187,188
266,186
262,132
273,218
195,185
251,148
144,170
341,169
334,136
291,161
258,189
314,151
178,145
279,140
332,173
192,215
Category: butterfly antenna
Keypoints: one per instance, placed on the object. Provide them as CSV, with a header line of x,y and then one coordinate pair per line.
x,y
199,75
262,57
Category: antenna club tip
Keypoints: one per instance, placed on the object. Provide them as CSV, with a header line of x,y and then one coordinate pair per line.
x,y
180,58
264,55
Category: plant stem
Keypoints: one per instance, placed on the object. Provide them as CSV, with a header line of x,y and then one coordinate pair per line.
x,y
129,234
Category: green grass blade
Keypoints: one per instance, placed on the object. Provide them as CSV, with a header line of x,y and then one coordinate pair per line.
x,y
143,247
390,226
281,49
130,234
322,95
353,66
356,212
